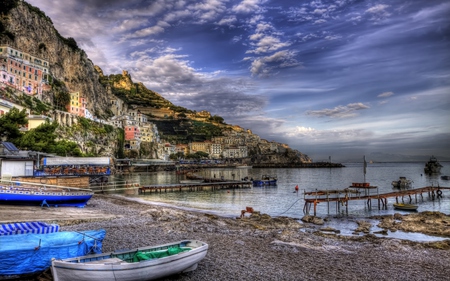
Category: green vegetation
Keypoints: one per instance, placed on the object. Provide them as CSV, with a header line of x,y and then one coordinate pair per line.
x,y
35,105
61,100
10,123
7,5
198,155
71,43
176,156
217,119
42,138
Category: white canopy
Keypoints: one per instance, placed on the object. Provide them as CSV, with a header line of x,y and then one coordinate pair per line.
x,y
56,161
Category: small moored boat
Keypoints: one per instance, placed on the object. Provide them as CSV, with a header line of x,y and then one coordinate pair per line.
x,y
432,166
406,207
445,177
148,263
402,182
265,180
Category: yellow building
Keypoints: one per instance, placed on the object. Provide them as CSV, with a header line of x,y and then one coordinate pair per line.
x,y
35,120
77,104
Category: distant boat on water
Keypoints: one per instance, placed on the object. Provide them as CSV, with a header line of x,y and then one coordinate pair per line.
x,y
402,182
265,180
243,167
405,207
432,166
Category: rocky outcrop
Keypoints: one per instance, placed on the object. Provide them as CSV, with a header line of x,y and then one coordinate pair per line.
x,y
432,223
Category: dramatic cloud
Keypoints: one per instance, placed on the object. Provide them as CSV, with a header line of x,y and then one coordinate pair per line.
x,y
290,71
339,111
385,94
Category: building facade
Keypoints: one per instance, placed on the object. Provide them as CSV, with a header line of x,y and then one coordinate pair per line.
x,y
23,71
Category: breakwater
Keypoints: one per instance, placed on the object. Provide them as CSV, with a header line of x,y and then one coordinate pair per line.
x,y
300,165
191,167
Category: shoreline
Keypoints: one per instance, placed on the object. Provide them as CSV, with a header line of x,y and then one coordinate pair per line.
x,y
259,247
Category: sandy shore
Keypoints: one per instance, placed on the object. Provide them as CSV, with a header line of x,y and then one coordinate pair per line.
x,y
264,248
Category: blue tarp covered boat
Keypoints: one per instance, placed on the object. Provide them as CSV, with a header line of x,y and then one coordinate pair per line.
x,y
28,254
36,227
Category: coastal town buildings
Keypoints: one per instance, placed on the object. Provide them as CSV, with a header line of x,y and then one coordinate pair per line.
x,y
23,71
30,74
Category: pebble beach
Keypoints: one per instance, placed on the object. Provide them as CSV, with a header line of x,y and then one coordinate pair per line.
x,y
259,247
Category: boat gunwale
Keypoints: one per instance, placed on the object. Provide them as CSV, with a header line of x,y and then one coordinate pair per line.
x,y
72,261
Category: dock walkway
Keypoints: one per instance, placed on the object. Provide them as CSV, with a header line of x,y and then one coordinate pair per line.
x,y
195,186
342,197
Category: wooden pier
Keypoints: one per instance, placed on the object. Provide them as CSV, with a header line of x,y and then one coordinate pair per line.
x,y
342,197
195,186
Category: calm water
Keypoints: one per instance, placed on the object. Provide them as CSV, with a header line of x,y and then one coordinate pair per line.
x,y
282,200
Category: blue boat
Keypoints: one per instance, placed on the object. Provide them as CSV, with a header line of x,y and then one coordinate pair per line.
x,y
265,180
29,254
19,193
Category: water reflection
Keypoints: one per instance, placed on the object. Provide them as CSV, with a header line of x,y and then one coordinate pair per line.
x,y
281,199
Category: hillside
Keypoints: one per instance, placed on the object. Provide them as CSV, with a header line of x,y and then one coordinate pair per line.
x,y
26,28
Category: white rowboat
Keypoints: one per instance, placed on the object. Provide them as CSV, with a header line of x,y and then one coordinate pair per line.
x,y
133,265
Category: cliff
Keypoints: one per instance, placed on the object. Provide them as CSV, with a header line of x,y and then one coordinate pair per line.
x,y
34,33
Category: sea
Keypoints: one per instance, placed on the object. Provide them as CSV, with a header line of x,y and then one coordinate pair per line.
x,y
283,200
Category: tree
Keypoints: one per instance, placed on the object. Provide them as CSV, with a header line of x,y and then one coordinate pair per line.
x,y
41,138
176,156
61,99
10,124
72,43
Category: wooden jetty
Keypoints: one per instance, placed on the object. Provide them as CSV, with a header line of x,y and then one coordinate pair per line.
x,y
195,186
342,197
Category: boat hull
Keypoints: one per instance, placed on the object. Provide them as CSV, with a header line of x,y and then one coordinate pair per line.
x,y
264,182
405,207
106,267
63,199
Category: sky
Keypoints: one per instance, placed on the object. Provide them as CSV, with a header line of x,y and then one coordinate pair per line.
x,y
333,79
